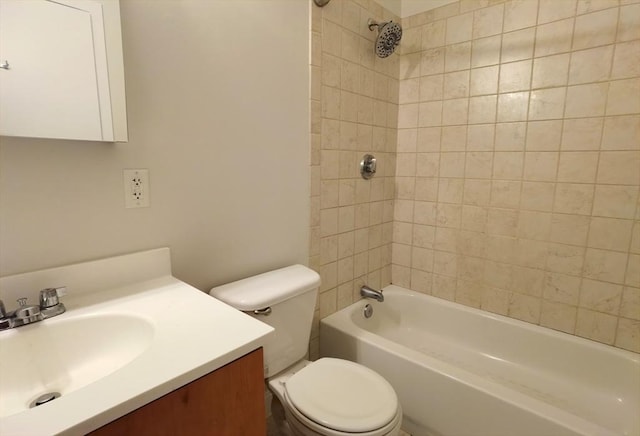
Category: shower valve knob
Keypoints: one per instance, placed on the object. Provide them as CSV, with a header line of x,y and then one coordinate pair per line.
x,y
368,166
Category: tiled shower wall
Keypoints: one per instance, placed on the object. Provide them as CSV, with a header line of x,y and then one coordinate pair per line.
x,y
354,111
518,164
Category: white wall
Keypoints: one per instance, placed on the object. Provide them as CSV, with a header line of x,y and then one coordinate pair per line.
x,y
406,8
217,96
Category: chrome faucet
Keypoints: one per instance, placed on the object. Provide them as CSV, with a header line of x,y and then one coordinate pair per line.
x,y
368,292
49,307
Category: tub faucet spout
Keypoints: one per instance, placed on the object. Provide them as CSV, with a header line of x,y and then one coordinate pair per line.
x,y
368,292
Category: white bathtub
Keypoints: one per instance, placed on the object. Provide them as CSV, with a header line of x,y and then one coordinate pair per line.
x,y
461,371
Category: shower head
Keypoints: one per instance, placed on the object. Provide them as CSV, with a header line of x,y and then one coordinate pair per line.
x,y
389,35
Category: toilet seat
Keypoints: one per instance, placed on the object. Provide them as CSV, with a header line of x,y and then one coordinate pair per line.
x,y
324,390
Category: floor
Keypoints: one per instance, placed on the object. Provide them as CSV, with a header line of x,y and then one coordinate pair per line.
x,y
273,429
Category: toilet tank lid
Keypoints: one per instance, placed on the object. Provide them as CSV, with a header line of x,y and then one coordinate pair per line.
x,y
267,289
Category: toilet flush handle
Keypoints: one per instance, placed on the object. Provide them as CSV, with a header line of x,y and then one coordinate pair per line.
x,y
266,311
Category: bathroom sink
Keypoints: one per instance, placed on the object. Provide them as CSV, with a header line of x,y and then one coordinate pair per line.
x,y
131,333
64,355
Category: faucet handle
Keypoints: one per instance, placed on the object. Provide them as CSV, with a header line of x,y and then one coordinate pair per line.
x,y
49,296
3,310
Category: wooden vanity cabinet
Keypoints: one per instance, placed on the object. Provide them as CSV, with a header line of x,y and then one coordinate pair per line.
x,y
228,401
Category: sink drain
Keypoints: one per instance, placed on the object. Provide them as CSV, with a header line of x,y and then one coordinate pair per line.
x,y
44,398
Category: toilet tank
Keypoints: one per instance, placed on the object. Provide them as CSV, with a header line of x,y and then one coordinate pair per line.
x,y
291,294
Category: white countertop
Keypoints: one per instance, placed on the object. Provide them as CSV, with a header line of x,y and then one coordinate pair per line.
x,y
193,334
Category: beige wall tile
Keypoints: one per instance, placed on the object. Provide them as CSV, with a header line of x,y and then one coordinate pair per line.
x,y
456,84
482,109
519,14
550,71
513,106
629,26
558,316
534,225
628,335
635,238
510,136
554,38
459,28
544,135
484,80
426,189
424,236
477,192
553,10
429,139
431,87
610,233
488,21
474,218
626,60
455,112
427,164
433,34
561,288
624,97
578,166
540,166
585,6
457,56
517,45
586,100
431,61
630,303
429,114
480,137
569,229
515,76
537,196
600,296
590,65
616,201
594,29
495,300
505,193
502,222
454,138
595,325
581,134
565,259
573,198
619,167
486,51
621,133
478,165
605,265
524,307
507,165
632,276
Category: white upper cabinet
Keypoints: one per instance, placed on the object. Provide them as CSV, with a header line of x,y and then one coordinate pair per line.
x,y
62,72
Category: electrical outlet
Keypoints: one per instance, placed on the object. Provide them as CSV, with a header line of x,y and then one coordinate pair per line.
x,y
136,188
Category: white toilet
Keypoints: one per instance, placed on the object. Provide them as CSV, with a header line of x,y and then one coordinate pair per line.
x,y
332,397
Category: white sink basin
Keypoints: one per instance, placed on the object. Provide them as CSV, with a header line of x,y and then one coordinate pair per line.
x,y
64,354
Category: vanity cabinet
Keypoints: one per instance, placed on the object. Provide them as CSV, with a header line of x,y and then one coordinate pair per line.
x,y
61,70
228,401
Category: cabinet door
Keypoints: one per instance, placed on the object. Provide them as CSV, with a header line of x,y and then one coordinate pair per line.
x,y
50,88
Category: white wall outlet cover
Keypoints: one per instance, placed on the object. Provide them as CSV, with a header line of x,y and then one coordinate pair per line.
x,y
136,188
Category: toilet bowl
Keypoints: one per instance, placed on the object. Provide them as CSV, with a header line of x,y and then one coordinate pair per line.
x,y
330,397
